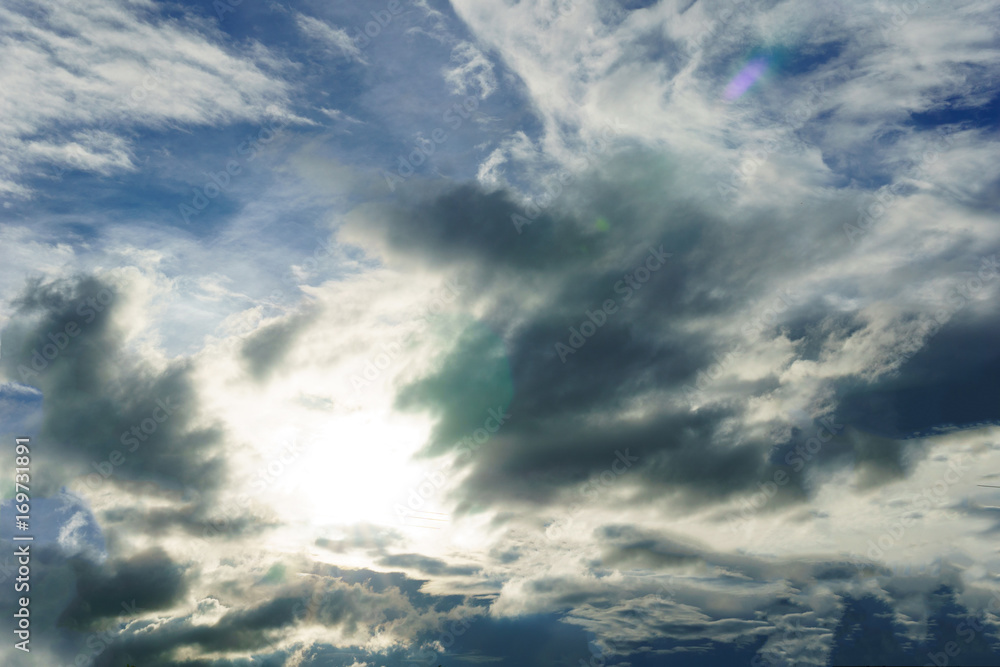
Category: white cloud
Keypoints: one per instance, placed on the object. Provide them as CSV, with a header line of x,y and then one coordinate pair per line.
x,y
341,117
659,72
490,173
473,73
71,539
323,32
81,76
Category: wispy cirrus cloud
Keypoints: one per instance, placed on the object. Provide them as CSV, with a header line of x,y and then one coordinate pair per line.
x,y
83,77
336,37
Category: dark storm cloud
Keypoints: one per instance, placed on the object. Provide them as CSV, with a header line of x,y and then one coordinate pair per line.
x,y
563,426
684,453
953,381
244,628
107,413
150,580
536,640
349,600
426,564
869,634
632,545
661,551
465,221
724,609
199,519
251,628
665,553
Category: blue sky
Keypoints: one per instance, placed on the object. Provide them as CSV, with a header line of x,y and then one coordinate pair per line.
x,y
523,332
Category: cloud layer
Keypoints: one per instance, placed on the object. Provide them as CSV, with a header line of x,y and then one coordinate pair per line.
x,y
629,333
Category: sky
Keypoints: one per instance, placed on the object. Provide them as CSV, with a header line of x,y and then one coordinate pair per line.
x,y
501,332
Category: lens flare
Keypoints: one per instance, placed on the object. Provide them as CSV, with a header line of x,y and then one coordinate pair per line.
x,y
747,76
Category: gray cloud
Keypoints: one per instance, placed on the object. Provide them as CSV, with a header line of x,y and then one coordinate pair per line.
x,y
264,350
150,580
667,333
101,398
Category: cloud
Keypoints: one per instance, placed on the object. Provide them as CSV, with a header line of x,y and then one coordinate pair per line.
x,y
715,318
264,350
322,32
149,580
97,71
425,564
101,397
686,377
340,116
707,298
473,74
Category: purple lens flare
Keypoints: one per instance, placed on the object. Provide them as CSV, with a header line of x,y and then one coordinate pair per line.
x,y
746,78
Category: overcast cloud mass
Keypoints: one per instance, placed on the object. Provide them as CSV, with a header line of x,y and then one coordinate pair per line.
x,y
619,333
